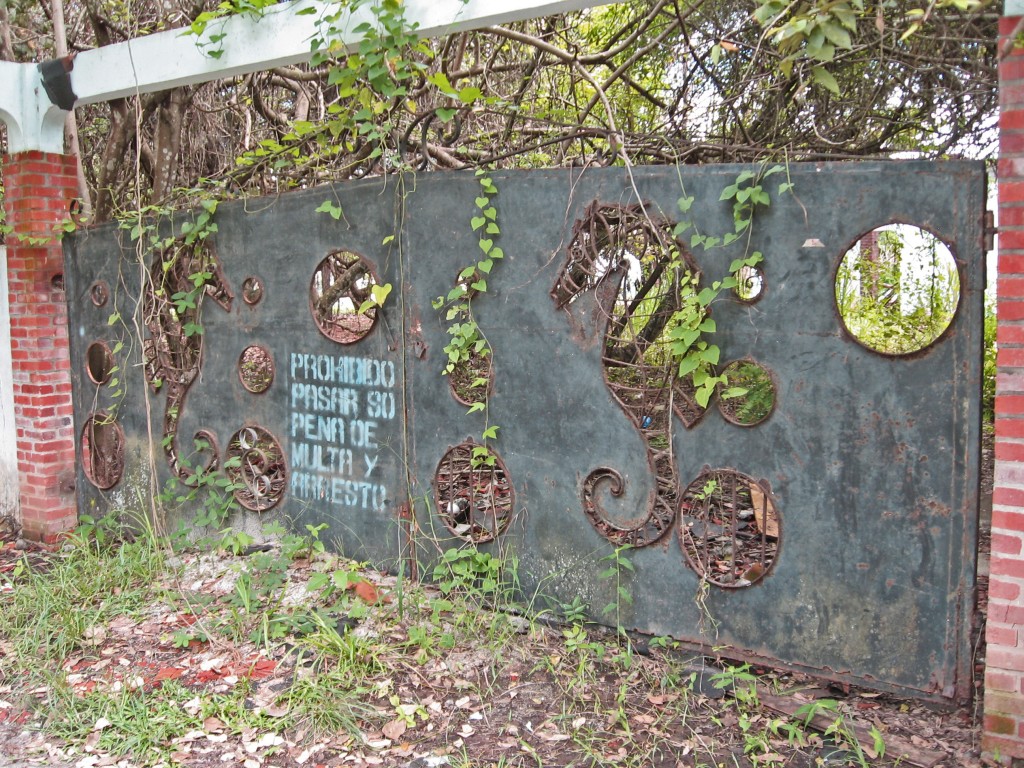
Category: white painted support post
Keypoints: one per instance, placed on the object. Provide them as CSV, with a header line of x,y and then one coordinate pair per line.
x,y
8,431
168,59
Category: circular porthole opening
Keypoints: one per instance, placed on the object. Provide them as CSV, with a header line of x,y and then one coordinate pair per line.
x,y
730,528
99,293
748,397
897,289
255,464
103,451
256,369
99,362
749,284
341,284
473,492
252,290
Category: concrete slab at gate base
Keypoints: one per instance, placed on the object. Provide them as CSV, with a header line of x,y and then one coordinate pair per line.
x,y
873,460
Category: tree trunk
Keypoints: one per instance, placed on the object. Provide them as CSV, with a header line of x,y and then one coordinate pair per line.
x,y
6,45
60,44
167,142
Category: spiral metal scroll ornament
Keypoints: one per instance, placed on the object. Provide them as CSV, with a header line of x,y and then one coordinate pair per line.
x,y
173,349
641,274
255,463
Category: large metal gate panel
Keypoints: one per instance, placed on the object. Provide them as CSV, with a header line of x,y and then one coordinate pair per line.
x,y
332,460
871,461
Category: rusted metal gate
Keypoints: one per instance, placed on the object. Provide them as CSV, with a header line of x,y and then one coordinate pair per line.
x,y
834,532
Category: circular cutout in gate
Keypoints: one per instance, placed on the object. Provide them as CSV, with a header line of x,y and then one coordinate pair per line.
x,y
897,289
256,369
473,492
341,284
748,397
730,528
255,462
103,450
99,362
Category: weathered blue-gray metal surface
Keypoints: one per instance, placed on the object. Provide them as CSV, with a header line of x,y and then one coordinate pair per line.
x,y
872,461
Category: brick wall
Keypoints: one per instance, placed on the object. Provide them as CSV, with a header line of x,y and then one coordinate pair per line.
x,y
38,190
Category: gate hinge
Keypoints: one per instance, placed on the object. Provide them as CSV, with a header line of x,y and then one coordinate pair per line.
x,y
991,230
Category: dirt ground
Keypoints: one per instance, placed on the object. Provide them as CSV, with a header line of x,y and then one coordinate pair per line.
x,y
532,699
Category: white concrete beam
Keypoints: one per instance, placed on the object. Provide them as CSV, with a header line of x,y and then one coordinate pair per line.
x,y
168,59
278,38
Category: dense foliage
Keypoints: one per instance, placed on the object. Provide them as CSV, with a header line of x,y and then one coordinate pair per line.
x,y
647,82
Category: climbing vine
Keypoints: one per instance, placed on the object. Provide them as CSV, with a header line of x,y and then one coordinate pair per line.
x,y
469,355
691,325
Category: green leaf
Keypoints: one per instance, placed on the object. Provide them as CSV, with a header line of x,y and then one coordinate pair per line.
x,y
684,203
703,396
328,207
688,337
476,407
444,114
824,78
469,94
380,293
482,202
497,253
480,285
835,33
477,221
491,433
486,244
847,17
485,266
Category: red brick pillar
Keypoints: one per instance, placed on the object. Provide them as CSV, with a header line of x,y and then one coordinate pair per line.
x,y
38,188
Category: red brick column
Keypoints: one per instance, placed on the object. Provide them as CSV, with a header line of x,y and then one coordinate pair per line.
x,y
38,188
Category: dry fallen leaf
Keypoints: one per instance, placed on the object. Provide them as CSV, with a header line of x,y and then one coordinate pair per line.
x,y
395,729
